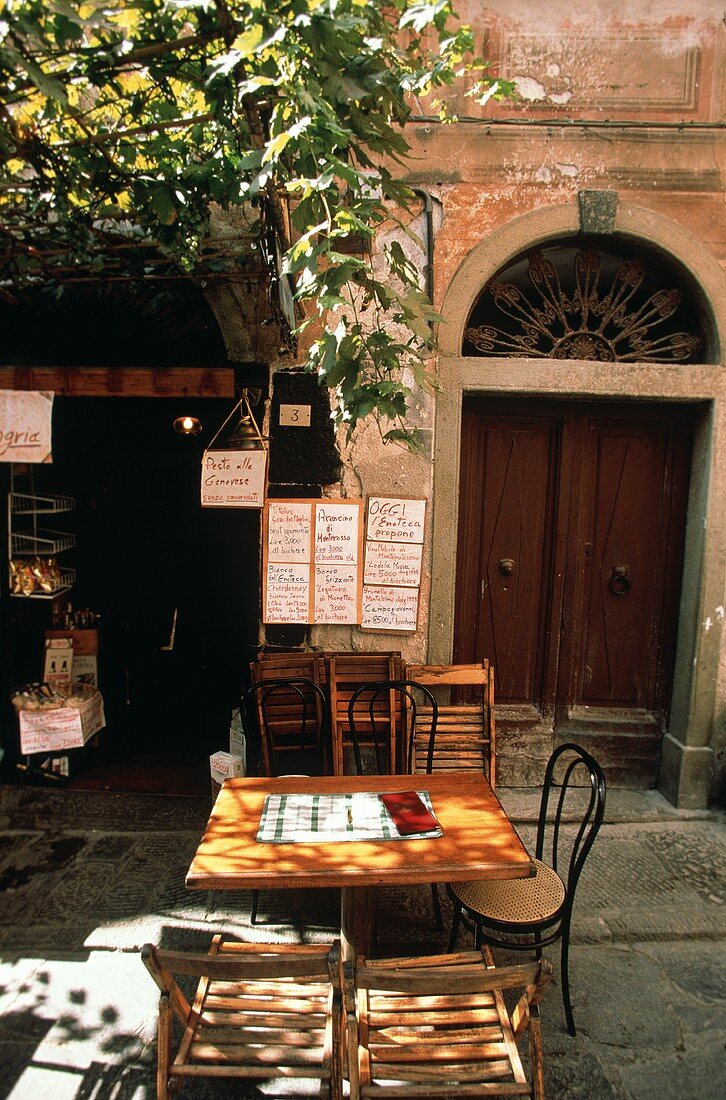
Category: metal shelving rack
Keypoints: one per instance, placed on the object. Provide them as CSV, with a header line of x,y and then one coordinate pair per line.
x,y
27,539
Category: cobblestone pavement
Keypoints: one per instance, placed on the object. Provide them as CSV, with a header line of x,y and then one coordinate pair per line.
x,y
87,877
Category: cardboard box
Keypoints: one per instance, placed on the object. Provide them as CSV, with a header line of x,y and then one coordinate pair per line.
x,y
61,729
224,765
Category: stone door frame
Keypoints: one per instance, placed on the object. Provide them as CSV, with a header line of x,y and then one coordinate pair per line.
x,y
687,761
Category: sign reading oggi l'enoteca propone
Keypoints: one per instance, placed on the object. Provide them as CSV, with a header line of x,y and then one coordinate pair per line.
x,y
234,479
25,425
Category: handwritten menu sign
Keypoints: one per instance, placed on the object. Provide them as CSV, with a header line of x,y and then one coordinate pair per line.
x,y
336,594
287,597
393,552
312,561
336,533
393,563
289,532
395,520
233,479
390,609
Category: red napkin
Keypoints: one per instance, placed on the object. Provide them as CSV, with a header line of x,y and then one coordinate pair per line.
x,y
409,813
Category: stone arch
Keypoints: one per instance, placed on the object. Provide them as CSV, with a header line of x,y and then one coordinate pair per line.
x,y
684,248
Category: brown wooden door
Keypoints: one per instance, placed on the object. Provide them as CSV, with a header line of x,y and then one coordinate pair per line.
x,y
570,551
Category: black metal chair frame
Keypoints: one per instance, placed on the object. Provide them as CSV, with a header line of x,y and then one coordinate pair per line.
x,y
298,685
557,925
265,688
376,689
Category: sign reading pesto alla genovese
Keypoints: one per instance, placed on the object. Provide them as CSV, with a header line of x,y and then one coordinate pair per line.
x,y
234,479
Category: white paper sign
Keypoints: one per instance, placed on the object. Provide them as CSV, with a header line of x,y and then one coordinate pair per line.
x,y
336,594
287,593
289,531
25,425
234,479
336,533
396,520
393,563
388,608
65,728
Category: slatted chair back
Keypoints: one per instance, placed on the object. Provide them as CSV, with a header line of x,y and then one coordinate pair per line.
x,y
346,673
371,710
290,714
465,733
261,1011
271,664
439,1026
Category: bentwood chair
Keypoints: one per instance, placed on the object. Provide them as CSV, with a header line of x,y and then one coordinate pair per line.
x,y
372,711
438,1026
531,913
261,1012
290,721
290,715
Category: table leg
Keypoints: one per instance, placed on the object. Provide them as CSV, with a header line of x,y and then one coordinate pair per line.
x,y
357,917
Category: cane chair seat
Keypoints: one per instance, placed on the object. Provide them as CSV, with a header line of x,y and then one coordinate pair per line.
x,y
515,901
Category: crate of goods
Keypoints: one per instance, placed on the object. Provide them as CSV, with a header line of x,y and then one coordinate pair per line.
x,y
53,719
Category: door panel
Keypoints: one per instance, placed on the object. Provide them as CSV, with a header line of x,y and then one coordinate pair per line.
x,y
622,525
624,559
506,525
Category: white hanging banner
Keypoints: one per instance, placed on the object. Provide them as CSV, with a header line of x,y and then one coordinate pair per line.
x,y
25,425
234,479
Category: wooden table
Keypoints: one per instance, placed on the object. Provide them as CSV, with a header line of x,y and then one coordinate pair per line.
x,y
479,842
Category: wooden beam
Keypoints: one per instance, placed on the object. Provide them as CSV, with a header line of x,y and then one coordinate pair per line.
x,y
122,381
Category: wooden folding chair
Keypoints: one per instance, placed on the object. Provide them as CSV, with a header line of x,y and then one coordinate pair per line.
x,y
465,733
346,674
279,715
438,1026
261,1011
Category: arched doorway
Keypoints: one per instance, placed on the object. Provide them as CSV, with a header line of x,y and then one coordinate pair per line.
x,y
572,515
578,419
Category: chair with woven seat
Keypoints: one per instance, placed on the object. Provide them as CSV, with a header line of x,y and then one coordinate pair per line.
x,y
261,1012
438,1026
531,913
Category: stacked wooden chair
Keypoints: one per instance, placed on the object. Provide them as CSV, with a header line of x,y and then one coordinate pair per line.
x,y
438,1026
291,724
347,673
465,733
261,1012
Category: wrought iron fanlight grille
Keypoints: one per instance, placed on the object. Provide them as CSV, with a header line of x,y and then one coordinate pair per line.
x,y
568,302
